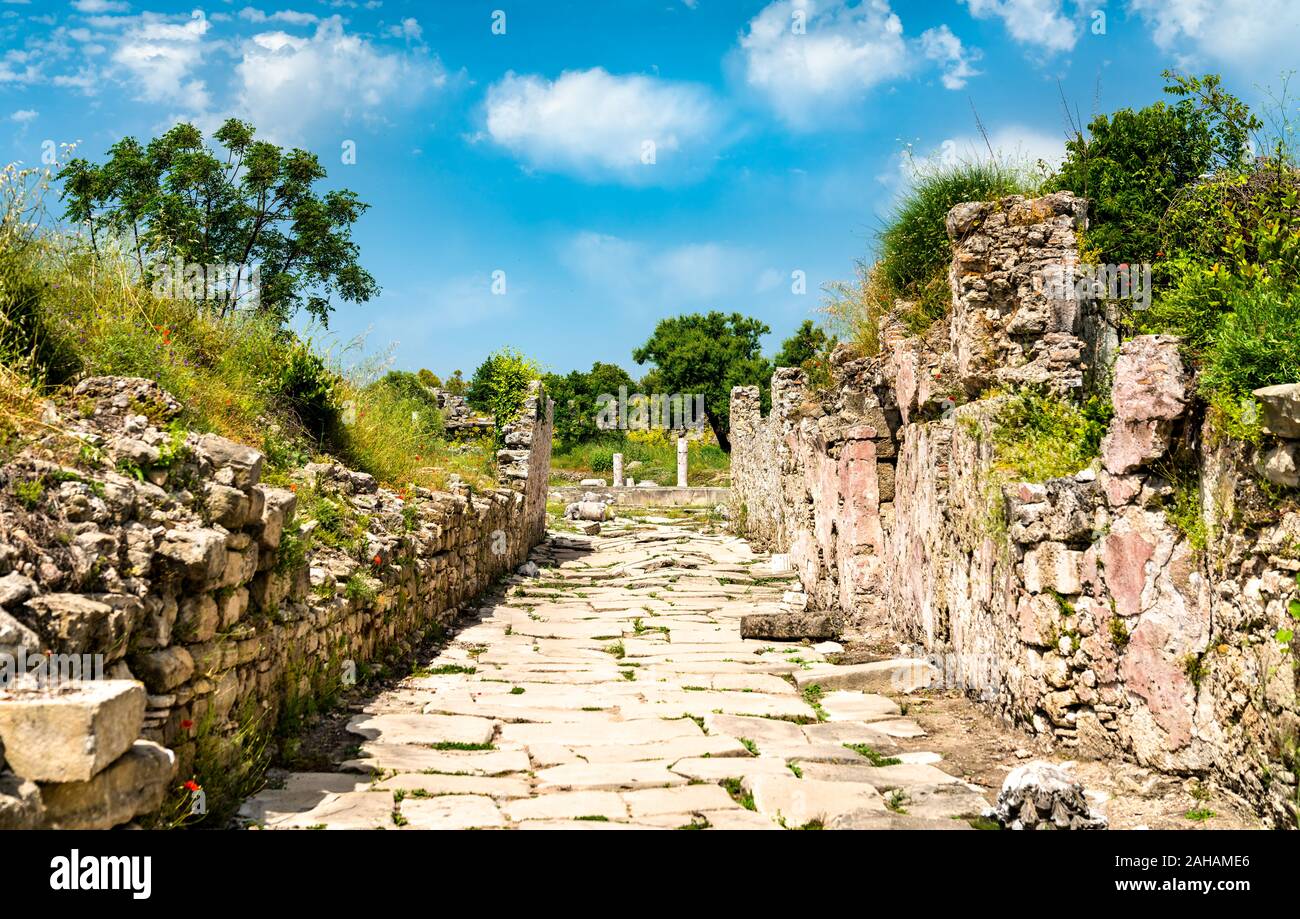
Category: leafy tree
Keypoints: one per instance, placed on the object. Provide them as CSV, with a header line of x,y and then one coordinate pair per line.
x,y
707,354
455,384
429,379
1132,165
500,386
808,349
576,395
176,199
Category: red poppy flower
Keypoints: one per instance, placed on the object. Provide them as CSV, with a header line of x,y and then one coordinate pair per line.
x,y
187,724
192,785
378,561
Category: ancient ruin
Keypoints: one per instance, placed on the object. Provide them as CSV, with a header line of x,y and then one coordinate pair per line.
x,y
1076,607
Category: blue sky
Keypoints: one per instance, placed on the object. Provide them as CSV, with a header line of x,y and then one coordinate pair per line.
x,y
779,133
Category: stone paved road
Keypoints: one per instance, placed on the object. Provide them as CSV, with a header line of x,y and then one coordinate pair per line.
x,y
615,692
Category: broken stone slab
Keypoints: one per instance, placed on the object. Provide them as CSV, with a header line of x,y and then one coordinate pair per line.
x,y
71,732
899,675
791,626
1280,410
136,783
356,810
589,528
397,757
1042,793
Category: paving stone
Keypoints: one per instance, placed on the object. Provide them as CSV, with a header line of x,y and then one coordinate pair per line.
x,y
423,729
386,757
802,801
892,676
670,750
715,769
600,734
359,810
607,776
451,812
568,806
439,784
858,706
683,799
758,730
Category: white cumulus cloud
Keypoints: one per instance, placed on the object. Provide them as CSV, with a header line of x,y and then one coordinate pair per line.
x,y
806,56
1041,24
161,54
594,124
288,85
943,47
1251,34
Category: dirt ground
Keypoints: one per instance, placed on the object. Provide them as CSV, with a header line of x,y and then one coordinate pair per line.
x,y
982,750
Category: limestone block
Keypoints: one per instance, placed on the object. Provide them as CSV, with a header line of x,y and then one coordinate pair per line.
x,y
230,463
72,732
198,553
1281,465
20,803
1052,567
136,783
1280,409
164,670
789,626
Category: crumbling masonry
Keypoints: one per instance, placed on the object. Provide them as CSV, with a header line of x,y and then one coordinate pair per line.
x,y
1074,607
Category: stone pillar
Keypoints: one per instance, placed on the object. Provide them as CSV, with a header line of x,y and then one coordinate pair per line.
x,y
682,448
618,469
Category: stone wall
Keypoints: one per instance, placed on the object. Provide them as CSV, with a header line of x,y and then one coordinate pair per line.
x,y
163,557
1077,607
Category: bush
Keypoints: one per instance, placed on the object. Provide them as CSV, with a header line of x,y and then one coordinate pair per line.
x,y
307,385
500,386
1256,344
1040,436
1132,166
915,250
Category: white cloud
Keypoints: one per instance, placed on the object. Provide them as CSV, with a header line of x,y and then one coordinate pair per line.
x,y
641,276
408,28
160,54
1041,24
290,17
22,116
945,48
99,6
1251,34
594,124
805,56
289,85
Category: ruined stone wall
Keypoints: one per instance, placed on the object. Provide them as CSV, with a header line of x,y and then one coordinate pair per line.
x,y
1096,610
164,555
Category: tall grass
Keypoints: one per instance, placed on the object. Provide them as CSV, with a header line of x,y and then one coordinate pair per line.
x,y
67,311
914,250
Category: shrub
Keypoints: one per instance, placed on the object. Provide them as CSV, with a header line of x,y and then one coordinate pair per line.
x,y
854,308
308,386
1256,344
500,386
1133,165
915,250
1040,436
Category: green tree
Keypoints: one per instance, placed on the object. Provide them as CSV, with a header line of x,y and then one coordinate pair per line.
x,y
809,341
176,199
707,354
576,394
1133,165
500,386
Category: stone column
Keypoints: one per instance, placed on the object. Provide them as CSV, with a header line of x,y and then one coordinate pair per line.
x,y
618,469
682,447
